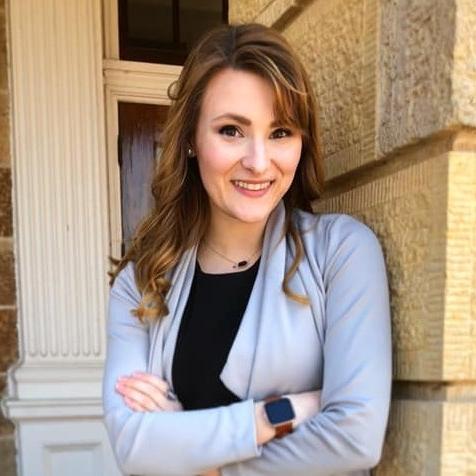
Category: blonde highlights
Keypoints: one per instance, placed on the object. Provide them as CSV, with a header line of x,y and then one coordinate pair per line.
x,y
180,216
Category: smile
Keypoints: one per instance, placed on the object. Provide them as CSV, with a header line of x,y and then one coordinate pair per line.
x,y
252,186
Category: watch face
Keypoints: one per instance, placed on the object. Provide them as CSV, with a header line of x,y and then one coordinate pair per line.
x,y
279,411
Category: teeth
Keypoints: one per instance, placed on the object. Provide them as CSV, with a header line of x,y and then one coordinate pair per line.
x,y
252,186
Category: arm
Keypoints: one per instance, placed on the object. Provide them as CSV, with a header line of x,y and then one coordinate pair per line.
x,y
347,434
169,443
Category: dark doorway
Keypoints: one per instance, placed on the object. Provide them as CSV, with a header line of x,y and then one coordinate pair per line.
x,y
163,31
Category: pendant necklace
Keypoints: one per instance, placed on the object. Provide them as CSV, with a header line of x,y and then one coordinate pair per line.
x,y
236,264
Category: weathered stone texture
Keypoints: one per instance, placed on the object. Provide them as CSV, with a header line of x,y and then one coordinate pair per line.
x,y
278,12
8,338
7,275
407,211
427,70
5,202
3,50
413,440
242,11
337,43
7,457
428,438
4,129
4,106
464,64
460,293
458,454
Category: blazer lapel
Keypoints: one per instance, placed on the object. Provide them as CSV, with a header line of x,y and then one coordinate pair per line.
x,y
163,334
240,371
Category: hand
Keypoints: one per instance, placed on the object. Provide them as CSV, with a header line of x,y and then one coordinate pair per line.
x,y
143,392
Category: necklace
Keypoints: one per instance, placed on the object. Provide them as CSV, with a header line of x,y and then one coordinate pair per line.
x,y
236,264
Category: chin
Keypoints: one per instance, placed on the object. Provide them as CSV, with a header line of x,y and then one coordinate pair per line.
x,y
250,216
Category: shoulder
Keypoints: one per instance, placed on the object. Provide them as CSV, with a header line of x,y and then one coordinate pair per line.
x,y
124,286
331,227
329,236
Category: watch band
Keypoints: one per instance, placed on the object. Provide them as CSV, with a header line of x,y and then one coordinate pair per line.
x,y
284,428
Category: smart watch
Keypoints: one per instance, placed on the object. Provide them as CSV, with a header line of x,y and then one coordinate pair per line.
x,y
280,414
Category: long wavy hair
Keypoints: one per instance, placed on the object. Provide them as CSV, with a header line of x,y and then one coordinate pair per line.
x,y
180,215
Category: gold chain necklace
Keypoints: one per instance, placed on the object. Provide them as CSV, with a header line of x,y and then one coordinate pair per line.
x,y
236,264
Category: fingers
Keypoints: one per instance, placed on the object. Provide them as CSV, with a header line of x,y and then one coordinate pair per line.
x,y
146,392
159,391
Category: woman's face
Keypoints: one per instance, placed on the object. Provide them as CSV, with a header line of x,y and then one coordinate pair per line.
x,y
247,161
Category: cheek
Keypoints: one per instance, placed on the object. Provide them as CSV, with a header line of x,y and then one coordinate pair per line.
x,y
213,162
288,158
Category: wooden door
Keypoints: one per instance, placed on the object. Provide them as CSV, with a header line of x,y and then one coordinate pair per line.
x,y
140,126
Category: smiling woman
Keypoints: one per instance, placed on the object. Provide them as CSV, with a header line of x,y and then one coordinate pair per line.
x,y
239,339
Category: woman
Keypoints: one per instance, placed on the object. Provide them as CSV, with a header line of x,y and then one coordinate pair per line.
x,y
246,335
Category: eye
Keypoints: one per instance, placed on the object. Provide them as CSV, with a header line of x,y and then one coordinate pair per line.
x,y
281,133
228,130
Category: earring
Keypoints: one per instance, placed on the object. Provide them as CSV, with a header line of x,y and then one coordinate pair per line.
x,y
190,152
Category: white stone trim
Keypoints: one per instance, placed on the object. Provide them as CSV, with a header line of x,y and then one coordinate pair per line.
x,y
110,29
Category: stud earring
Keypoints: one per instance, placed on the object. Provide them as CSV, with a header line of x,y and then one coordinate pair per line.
x,y
190,152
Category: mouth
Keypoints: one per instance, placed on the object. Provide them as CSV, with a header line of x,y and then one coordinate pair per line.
x,y
252,186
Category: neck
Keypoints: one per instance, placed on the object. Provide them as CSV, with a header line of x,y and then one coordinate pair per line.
x,y
235,239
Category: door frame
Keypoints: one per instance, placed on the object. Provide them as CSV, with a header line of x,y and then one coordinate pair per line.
x,y
128,81
125,81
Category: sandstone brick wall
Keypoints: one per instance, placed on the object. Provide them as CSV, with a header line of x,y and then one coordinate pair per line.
x,y
396,83
8,329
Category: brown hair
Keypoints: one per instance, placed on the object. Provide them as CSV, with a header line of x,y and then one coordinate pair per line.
x,y
180,215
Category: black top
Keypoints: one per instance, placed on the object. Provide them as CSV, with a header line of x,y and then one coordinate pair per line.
x,y
211,319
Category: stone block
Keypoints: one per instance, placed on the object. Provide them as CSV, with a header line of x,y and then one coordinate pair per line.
x,y
424,216
278,12
7,275
464,64
428,437
3,51
8,338
7,457
6,229
244,11
413,440
5,159
459,438
5,128
460,257
337,43
427,70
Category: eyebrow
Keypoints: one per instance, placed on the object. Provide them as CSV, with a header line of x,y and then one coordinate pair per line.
x,y
240,119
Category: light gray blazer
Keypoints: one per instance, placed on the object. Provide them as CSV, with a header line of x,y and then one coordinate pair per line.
x,y
341,344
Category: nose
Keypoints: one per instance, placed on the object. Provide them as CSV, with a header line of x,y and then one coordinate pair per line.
x,y
256,159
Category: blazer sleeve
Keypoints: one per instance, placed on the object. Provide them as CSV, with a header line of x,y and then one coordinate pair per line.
x,y
347,434
164,443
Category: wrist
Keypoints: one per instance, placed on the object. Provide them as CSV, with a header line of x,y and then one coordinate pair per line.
x,y
280,414
264,430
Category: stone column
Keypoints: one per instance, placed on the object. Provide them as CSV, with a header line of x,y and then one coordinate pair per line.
x,y
61,236
396,83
